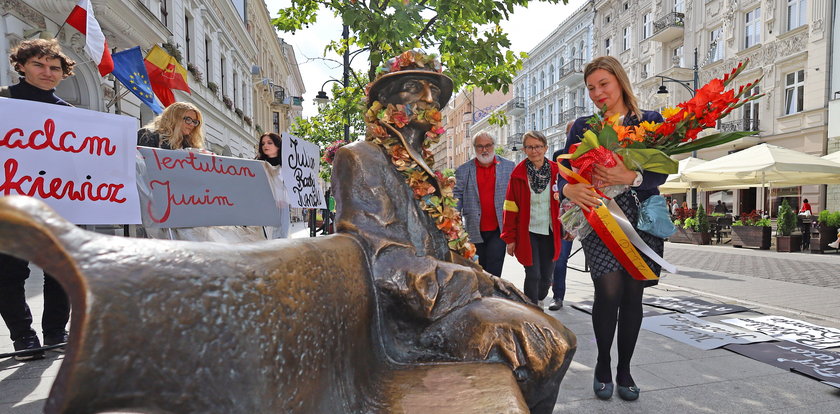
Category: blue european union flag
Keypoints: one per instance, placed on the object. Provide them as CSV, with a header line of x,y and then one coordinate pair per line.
x,y
131,71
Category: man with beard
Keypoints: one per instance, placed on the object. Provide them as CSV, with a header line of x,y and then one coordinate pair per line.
x,y
433,303
480,186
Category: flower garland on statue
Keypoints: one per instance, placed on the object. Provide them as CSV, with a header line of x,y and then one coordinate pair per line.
x,y
382,121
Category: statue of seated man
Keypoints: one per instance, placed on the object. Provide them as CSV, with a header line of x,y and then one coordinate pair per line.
x,y
434,303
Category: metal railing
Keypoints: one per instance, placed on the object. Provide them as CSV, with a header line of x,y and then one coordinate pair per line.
x,y
514,103
571,114
672,19
745,124
570,67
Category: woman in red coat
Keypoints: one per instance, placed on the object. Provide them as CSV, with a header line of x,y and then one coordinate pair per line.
x,y
531,227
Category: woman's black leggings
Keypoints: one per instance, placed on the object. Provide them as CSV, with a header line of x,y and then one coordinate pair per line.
x,y
618,298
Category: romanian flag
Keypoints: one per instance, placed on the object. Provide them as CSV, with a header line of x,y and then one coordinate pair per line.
x,y
165,74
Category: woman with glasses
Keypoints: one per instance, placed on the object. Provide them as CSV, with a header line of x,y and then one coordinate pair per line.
x,y
178,127
269,151
531,227
618,297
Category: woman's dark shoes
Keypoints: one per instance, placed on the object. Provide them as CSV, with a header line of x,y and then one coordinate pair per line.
x,y
628,393
604,390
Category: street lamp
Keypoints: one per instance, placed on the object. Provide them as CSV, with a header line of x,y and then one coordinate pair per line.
x,y
693,91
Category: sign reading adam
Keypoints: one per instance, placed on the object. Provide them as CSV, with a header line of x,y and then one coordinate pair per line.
x,y
301,163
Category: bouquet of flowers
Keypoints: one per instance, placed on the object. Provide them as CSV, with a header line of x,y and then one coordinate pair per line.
x,y
649,146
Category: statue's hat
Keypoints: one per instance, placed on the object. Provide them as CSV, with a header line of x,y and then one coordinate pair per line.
x,y
411,62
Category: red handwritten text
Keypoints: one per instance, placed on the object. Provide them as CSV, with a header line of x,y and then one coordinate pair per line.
x,y
56,187
182,200
215,165
67,142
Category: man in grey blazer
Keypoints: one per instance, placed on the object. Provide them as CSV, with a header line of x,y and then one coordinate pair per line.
x,y
480,186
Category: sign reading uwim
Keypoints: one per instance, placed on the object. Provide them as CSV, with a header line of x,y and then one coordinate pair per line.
x,y
182,188
301,163
80,162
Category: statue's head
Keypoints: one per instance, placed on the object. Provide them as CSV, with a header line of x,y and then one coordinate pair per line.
x,y
412,78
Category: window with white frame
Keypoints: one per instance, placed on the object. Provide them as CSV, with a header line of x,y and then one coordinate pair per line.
x,y
752,27
751,112
533,122
542,80
715,45
794,92
560,106
550,114
607,44
581,95
188,46
647,26
797,11
208,66
572,99
581,52
551,74
542,119
679,6
626,38
533,86
678,57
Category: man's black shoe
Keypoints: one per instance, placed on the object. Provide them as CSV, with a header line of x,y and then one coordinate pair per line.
x,y
29,342
56,339
556,304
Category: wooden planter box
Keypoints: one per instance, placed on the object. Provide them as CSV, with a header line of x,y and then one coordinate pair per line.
x,y
756,237
681,236
700,238
820,241
792,243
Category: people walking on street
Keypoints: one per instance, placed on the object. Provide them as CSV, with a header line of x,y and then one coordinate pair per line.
x,y
531,225
42,66
618,297
178,127
480,186
269,151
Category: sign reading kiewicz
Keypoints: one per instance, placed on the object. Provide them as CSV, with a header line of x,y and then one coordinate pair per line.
x,y
699,333
821,365
696,307
79,162
301,163
800,332
182,188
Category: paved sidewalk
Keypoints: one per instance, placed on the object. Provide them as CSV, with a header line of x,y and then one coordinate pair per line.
x,y
674,377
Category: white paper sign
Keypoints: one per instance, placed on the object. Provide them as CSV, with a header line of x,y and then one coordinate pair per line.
x,y
701,334
182,188
800,332
301,164
79,162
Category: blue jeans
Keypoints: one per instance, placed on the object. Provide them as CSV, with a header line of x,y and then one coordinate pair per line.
x,y
558,286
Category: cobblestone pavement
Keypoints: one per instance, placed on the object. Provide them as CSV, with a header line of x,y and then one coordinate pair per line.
x,y
803,268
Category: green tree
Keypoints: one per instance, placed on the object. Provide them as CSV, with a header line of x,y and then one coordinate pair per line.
x,y
786,221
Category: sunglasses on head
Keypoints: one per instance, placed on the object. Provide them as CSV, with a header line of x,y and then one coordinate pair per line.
x,y
189,120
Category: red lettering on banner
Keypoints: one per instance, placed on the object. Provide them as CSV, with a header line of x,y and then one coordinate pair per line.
x,y
56,187
182,200
14,138
191,161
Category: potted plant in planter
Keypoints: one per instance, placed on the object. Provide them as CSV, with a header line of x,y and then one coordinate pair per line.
x,y
682,235
699,226
786,241
751,230
827,225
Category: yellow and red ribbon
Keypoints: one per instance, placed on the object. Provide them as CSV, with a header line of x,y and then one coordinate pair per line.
x,y
608,230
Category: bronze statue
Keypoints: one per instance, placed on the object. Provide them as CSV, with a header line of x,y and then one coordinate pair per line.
x,y
389,315
434,304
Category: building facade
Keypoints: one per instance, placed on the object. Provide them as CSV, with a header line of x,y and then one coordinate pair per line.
x,y
787,43
463,110
237,66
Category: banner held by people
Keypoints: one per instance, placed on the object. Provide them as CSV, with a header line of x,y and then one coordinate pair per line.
x,y
80,162
183,188
301,163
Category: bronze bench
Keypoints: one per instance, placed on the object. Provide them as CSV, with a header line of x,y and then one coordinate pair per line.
x,y
218,328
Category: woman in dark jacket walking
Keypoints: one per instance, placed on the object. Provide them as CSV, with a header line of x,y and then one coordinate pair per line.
x,y
531,227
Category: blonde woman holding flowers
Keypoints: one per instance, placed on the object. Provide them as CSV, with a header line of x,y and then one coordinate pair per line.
x,y
618,297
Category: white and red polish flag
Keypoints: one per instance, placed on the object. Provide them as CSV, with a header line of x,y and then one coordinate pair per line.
x,y
96,46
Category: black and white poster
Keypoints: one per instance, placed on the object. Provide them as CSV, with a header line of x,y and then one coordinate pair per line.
x,y
793,330
698,333
301,164
692,306
818,364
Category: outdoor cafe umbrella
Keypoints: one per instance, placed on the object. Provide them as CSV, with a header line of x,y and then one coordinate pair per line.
x,y
834,156
767,165
676,183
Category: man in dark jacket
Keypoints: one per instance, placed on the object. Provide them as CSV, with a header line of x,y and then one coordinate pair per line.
x,y
42,67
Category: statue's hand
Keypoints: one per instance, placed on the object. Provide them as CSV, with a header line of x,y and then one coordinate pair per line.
x,y
509,290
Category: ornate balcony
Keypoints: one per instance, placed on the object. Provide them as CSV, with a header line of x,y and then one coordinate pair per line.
x,y
570,115
668,27
572,69
515,106
515,139
745,124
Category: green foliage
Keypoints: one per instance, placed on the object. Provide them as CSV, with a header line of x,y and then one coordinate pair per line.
x,y
763,222
737,223
677,222
829,219
690,223
448,172
499,151
702,220
718,215
787,220
834,221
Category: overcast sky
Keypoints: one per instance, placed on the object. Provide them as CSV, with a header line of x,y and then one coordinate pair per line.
x,y
526,28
